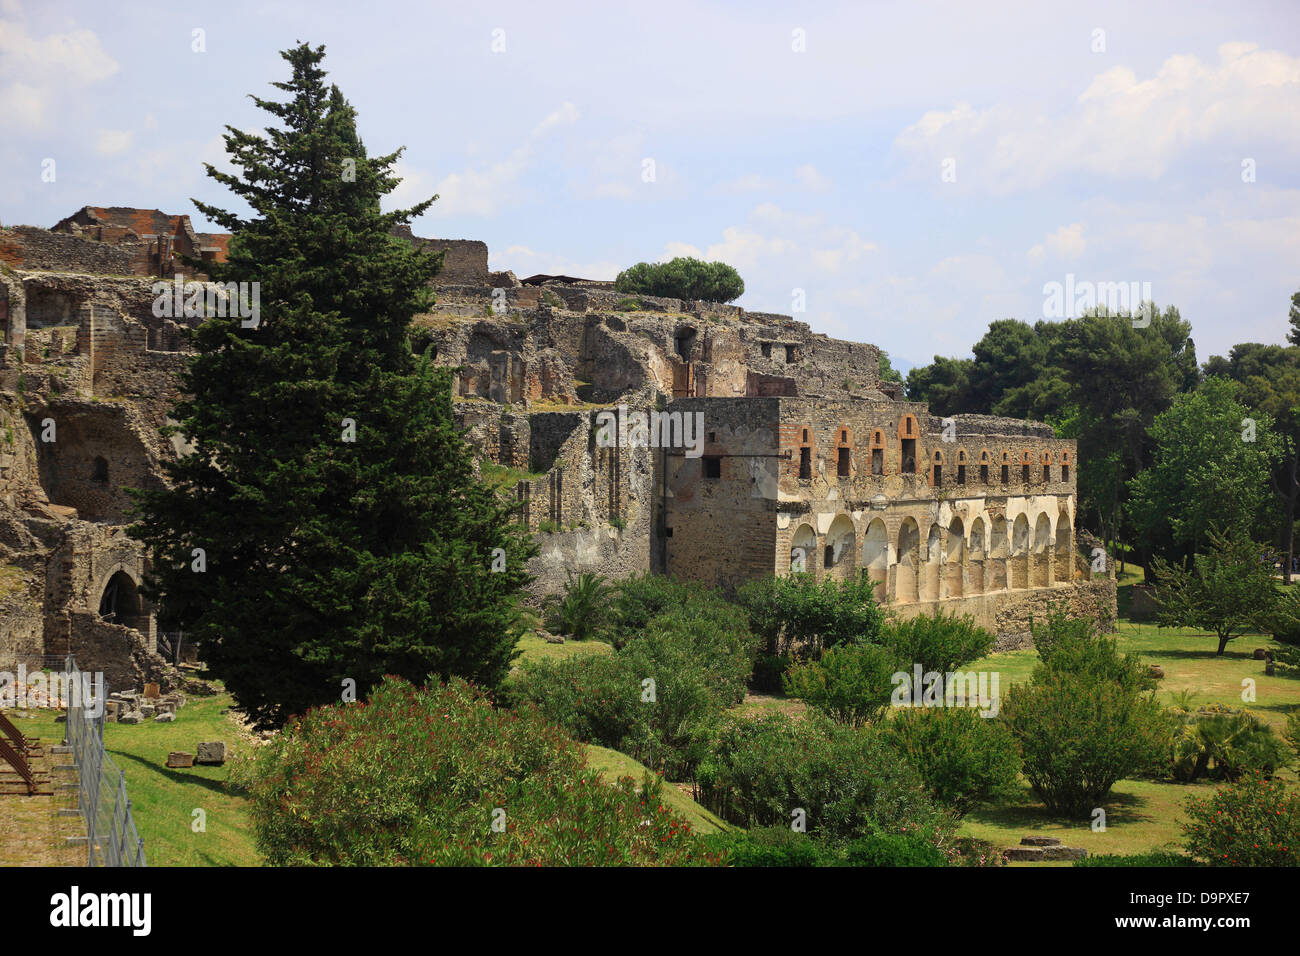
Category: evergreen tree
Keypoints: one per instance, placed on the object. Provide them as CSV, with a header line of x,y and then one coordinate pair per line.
x,y
328,525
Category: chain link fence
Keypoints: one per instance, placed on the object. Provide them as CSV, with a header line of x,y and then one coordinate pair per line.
x,y
112,839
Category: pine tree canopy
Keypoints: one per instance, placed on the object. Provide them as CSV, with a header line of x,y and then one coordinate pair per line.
x,y
328,526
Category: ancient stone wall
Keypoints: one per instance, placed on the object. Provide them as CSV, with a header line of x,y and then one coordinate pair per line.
x,y
27,247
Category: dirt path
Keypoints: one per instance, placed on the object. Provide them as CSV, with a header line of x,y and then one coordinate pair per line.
x,y
32,833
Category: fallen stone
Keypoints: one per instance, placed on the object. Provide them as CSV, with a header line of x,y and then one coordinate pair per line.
x,y
1024,853
166,717
131,717
179,759
151,692
165,707
147,710
1064,853
1040,841
211,752
1260,654
1155,670
550,638
111,708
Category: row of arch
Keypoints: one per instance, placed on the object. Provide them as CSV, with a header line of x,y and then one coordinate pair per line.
x,y
955,561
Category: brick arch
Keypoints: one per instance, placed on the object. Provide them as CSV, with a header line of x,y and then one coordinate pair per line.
x,y
936,468
804,539
844,447
877,463
807,441
908,427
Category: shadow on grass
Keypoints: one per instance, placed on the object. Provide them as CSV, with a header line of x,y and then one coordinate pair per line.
x,y
1027,812
178,776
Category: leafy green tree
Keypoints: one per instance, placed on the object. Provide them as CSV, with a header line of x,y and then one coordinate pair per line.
x,y
1211,465
887,371
1228,589
327,526
1293,315
944,385
682,278
1270,384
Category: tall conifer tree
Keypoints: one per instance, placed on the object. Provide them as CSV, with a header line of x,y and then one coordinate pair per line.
x,y
328,525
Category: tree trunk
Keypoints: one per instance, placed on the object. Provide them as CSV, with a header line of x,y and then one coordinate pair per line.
x,y
1223,643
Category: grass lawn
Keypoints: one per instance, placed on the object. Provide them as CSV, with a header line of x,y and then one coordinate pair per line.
x,y
533,648
163,800
613,765
1143,815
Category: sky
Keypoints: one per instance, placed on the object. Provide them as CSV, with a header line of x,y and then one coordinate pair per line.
x,y
895,173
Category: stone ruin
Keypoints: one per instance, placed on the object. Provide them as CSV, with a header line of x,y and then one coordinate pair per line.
x,y
803,459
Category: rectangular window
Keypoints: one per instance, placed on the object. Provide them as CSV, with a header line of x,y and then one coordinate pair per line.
x,y
712,467
1024,474
938,475
1006,474
909,456
767,349
877,461
984,474
1047,473
961,474
805,463
842,464
1065,472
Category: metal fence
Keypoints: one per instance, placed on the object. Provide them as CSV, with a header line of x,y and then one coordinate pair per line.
x,y
112,839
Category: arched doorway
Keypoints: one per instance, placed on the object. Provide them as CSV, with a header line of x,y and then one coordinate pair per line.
x,y
975,557
840,559
803,549
998,554
954,558
1064,548
933,554
120,600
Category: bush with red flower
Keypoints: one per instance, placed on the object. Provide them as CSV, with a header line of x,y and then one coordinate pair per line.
x,y
1253,822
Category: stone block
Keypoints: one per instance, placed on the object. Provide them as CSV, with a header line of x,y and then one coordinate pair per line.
x,y
211,752
1040,841
151,692
179,759
166,717
131,717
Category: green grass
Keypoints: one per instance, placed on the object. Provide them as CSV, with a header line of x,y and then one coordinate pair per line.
x,y
1143,815
533,648
163,800
613,765
501,477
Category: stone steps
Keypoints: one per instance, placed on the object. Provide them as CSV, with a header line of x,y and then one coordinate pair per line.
x,y
1037,848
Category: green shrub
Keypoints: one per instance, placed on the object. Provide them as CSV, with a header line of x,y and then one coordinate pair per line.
x,y
1223,743
771,847
893,849
797,611
964,759
1058,627
770,671
848,782
1150,858
582,611
417,777
1252,822
937,642
685,656
682,278
1083,723
852,684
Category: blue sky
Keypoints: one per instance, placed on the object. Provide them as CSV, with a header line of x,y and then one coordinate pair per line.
x,y
806,145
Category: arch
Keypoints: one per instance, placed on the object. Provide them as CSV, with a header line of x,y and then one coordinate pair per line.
x,y
975,557
908,433
909,561
954,558
1041,570
986,466
997,553
119,599
806,447
840,558
1065,466
1019,561
933,561
803,549
961,463
875,556
99,470
1026,466
1064,547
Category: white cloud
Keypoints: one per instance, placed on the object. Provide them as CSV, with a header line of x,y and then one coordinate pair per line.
x,y
110,142
1119,126
485,190
809,177
1065,243
70,59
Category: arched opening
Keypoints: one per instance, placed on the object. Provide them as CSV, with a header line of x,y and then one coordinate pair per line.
x,y
875,556
909,560
998,554
1042,561
843,453
120,601
975,557
1020,552
933,543
1064,548
840,559
954,559
803,549
99,470
877,452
